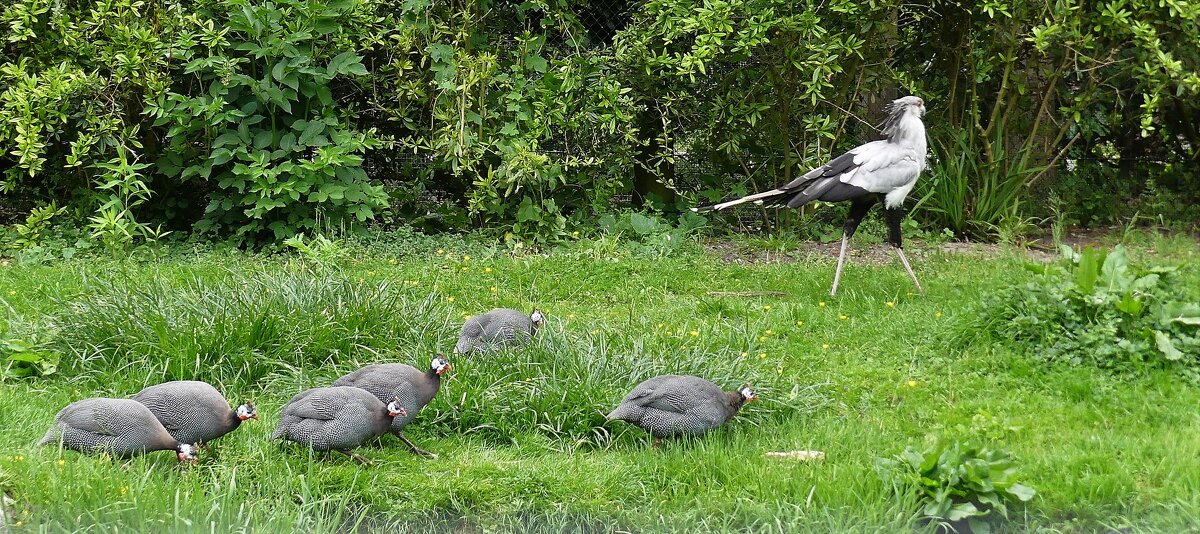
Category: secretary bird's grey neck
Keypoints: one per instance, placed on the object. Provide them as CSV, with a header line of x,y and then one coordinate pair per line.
x,y
903,127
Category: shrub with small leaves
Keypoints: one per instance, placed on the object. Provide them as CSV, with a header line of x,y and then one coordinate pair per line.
x,y
957,483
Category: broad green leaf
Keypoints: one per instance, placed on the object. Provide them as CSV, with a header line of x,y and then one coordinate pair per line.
x,y
1166,347
1022,492
1130,305
1088,270
962,511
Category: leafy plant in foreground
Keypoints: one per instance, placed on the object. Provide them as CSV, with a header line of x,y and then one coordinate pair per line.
x,y
1097,307
958,482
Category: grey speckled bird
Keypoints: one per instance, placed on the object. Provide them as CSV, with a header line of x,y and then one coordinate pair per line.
x,y
412,387
336,419
499,328
194,411
120,427
674,405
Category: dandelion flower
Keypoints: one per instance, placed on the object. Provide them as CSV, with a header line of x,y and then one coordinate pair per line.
x,y
767,307
799,323
938,315
451,299
370,273
392,261
12,292
466,257
124,489
762,338
843,317
762,355
61,462
464,269
825,346
570,316
492,289
745,354
821,304
909,294
769,332
575,233
487,269
694,333
660,325
440,252
912,383
891,304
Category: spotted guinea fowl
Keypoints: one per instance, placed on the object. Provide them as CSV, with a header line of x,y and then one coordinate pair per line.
x,y
336,419
194,411
120,427
413,388
672,405
499,328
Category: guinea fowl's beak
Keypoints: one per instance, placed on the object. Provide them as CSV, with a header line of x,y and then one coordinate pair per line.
x,y
445,369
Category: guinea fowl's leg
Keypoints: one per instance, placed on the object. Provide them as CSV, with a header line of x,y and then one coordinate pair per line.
x,y
858,210
416,450
894,215
355,457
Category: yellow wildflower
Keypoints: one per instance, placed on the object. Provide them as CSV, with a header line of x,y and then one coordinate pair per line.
x,y
124,489
762,355
799,323
769,332
451,299
575,233
12,292
392,261
492,289
745,354
767,307
821,304
61,462
440,252
843,317
519,245
660,325
825,346
694,333
762,338
487,269
891,304
464,269
570,316
909,294
370,273
912,383
938,315
466,257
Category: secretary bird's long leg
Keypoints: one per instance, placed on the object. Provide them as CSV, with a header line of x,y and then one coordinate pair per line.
x,y
894,216
858,210
837,273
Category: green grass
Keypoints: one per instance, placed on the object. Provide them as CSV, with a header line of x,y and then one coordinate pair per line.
x,y
521,437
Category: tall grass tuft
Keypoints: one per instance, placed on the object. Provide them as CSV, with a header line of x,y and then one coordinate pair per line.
x,y
244,327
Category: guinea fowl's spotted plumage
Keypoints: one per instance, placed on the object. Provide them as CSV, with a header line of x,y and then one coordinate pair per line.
x,y
499,328
671,405
387,381
334,418
192,411
120,427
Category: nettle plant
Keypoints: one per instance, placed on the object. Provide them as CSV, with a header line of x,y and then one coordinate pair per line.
x,y
255,120
1098,308
957,483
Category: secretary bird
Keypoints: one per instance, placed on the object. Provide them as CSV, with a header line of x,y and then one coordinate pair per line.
x,y
880,170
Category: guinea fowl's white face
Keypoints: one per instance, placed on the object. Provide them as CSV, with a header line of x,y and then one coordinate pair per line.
x,y
187,453
748,394
395,410
247,411
440,365
537,318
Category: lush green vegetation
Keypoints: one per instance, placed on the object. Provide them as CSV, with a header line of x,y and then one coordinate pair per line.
x,y
521,437
256,121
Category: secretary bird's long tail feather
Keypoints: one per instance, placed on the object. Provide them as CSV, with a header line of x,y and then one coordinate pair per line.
x,y
764,197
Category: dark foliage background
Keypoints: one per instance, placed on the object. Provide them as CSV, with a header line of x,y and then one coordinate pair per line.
x,y
260,120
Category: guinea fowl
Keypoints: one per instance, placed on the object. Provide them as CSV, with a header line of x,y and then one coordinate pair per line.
x,y
194,411
413,388
120,427
674,405
336,419
499,328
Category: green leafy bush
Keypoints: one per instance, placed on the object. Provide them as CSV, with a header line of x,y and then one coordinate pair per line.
x,y
1096,307
958,483
254,118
